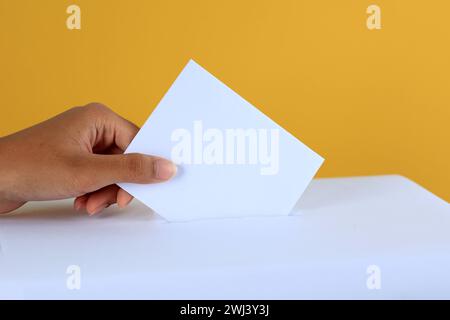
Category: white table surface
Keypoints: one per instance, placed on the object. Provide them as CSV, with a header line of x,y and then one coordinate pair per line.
x,y
339,228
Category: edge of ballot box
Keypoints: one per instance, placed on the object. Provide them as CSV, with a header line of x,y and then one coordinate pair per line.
x,y
342,232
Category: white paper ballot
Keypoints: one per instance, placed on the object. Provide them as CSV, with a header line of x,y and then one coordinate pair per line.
x,y
232,160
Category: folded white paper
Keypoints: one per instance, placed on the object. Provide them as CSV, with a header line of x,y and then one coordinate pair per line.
x,y
232,159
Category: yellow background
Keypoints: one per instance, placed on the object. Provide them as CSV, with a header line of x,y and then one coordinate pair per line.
x,y
370,102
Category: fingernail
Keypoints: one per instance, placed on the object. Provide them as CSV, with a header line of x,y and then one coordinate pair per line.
x,y
80,204
98,209
164,169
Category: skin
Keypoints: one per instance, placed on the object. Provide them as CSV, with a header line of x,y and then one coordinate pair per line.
x,y
78,153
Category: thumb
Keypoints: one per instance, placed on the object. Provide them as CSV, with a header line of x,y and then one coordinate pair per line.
x,y
132,168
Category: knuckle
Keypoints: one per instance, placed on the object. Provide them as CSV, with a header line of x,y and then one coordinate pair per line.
x,y
96,108
95,112
76,109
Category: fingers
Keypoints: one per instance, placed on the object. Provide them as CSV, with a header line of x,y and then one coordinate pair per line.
x,y
124,132
96,201
123,198
112,129
101,199
80,202
104,170
8,206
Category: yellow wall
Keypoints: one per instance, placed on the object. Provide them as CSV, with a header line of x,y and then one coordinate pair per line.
x,y
370,102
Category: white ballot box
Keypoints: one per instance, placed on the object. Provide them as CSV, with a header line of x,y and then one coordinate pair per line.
x,y
381,237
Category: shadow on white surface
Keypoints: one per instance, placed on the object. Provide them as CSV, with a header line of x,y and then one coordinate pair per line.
x,y
339,228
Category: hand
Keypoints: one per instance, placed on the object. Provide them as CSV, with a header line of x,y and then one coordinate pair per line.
x,y
78,153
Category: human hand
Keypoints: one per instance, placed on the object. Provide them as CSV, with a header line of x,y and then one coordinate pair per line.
x,y
78,153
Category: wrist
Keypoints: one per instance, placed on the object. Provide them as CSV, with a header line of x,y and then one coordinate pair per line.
x,y
3,169
6,203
